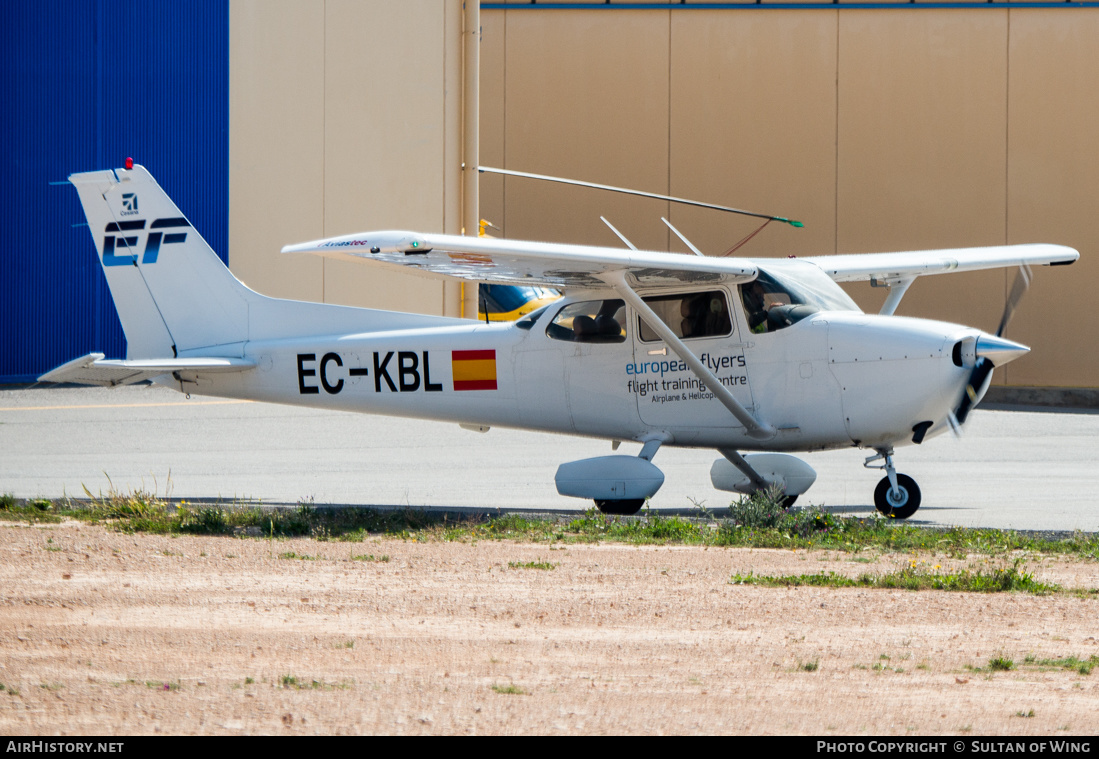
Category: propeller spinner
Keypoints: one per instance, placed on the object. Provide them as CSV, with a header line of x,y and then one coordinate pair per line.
x,y
993,351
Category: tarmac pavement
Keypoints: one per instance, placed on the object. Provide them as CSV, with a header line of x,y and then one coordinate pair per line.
x,y
1033,469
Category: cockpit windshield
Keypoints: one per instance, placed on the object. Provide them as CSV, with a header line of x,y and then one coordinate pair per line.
x,y
785,292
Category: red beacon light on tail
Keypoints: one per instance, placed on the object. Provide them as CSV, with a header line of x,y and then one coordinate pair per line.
x,y
129,163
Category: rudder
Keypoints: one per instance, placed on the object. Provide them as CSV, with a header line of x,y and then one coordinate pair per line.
x,y
172,292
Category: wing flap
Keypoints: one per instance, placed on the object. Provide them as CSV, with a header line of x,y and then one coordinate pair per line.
x,y
512,262
910,264
94,369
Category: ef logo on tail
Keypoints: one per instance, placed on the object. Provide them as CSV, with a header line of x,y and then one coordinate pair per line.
x,y
117,244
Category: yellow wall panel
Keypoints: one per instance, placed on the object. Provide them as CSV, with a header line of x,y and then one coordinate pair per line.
x,y
1053,190
753,126
345,116
881,129
586,98
276,143
384,139
921,151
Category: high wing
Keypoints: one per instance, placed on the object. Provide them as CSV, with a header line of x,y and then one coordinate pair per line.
x,y
93,369
513,262
486,259
911,264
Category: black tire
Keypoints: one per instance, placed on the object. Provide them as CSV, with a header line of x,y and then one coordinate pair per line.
x,y
785,502
625,507
908,503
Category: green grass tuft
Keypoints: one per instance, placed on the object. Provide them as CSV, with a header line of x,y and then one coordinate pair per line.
x,y
755,522
512,689
996,580
531,565
292,682
1081,666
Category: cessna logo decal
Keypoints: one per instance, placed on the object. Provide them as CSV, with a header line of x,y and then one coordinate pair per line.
x,y
129,203
121,249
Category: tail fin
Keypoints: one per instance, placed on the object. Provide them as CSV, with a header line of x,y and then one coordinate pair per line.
x,y
176,298
172,292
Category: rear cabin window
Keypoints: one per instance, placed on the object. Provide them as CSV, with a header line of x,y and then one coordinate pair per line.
x,y
691,315
591,321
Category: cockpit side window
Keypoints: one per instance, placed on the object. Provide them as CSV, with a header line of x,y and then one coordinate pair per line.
x,y
761,297
591,321
777,299
690,315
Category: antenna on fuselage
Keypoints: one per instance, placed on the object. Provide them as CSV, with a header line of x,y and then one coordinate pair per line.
x,y
620,236
682,237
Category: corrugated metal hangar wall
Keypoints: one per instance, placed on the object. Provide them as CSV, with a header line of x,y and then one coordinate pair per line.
x,y
85,85
883,126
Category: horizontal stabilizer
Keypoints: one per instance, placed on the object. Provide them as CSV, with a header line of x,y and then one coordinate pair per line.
x,y
94,369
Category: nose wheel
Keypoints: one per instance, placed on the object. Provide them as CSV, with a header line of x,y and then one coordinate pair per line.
x,y
900,503
897,496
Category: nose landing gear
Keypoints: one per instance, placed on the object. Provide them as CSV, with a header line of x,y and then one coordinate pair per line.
x,y
897,495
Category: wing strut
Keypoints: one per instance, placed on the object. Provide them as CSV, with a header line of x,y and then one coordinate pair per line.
x,y
898,286
756,429
746,469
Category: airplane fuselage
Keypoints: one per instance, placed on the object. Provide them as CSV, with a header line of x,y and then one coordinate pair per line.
x,y
819,382
764,355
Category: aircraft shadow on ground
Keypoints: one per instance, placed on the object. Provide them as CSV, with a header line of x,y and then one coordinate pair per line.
x,y
457,513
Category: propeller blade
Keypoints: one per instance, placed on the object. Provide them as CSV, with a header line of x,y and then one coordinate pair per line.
x,y
1018,289
1003,351
973,388
955,425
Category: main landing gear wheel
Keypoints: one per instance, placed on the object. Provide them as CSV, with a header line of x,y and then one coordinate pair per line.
x,y
787,501
624,507
901,507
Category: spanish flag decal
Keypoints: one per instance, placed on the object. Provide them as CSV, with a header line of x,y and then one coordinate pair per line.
x,y
474,370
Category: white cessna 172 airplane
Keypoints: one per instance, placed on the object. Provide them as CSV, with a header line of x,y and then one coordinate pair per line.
x,y
732,354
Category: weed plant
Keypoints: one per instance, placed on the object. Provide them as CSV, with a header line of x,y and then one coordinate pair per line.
x,y
752,521
995,580
531,565
511,690
1081,666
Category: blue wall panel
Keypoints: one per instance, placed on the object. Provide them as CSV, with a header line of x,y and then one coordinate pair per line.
x,y
86,84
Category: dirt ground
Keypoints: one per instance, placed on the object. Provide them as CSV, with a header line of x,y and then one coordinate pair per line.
x,y
107,633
